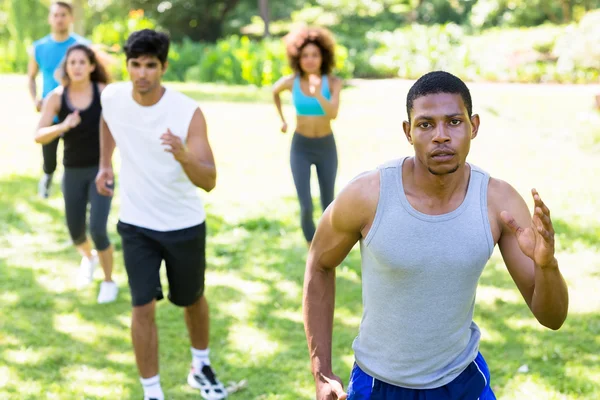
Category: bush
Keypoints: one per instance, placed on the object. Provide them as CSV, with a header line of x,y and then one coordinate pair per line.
x,y
239,60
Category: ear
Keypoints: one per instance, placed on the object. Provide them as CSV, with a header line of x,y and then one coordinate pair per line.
x,y
165,66
475,121
407,132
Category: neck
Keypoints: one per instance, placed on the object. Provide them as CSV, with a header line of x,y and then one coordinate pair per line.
x,y
441,187
149,98
79,86
60,36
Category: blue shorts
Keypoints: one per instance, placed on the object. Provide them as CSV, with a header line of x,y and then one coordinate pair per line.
x,y
472,384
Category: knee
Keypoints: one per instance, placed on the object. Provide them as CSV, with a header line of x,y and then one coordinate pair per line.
x,y
144,314
100,237
306,206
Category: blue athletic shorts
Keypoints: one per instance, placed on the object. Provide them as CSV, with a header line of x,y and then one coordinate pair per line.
x,y
472,384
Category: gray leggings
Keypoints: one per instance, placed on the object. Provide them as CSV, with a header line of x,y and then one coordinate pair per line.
x,y
79,189
304,153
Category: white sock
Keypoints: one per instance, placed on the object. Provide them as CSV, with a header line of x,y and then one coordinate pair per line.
x,y
199,358
152,389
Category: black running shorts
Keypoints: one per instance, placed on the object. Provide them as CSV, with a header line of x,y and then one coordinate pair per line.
x,y
183,252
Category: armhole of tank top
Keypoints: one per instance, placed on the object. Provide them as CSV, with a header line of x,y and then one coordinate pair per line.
x,y
485,181
378,210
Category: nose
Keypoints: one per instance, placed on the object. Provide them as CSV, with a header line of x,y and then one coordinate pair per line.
x,y
441,134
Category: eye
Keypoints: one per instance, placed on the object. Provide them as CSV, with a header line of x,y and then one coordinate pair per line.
x,y
455,122
424,125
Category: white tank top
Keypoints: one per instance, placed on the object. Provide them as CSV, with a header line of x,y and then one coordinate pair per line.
x,y
155,191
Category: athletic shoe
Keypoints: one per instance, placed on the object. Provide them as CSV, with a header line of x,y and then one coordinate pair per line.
x,y
44,186
207,382
86,269
108,292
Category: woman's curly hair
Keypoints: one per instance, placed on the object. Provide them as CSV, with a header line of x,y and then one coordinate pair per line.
x,y
297,39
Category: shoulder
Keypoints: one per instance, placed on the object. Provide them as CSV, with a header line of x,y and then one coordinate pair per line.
x,y
335,80
502,196
57,92
182,101
54,98
356,204
112,90
79,39
285,81
40,41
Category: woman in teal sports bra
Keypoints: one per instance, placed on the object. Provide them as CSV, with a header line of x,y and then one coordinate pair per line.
x,y
316,97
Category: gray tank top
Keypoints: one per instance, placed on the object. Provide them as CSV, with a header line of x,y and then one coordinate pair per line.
x,y
419,276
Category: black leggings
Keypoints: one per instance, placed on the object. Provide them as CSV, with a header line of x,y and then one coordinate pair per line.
x,y
79,189
49,155
304,153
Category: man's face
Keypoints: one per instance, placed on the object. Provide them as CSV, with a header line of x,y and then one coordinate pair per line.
x,y
60,19
145,73
441,131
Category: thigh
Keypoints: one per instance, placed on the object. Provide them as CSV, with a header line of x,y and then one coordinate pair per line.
x,y
185,259
142,258
300,164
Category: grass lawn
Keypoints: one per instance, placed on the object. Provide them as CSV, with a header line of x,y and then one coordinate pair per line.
x,y
57,343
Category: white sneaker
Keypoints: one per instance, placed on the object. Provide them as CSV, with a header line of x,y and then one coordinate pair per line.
x,y
207,382
86,269
108,292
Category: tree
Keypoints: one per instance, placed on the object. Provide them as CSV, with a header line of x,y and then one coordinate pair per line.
x,y
79,16
199,20
263,7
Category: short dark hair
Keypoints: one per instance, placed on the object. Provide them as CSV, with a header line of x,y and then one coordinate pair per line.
x,y
147,42
63,4
438,82
297,39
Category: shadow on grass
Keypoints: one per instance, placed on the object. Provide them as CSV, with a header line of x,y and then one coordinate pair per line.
x,y
254,288
552,356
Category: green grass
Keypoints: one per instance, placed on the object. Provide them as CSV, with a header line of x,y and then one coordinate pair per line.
x,y
56,343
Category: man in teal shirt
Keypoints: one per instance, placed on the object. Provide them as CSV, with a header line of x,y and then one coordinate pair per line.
x,y
46,56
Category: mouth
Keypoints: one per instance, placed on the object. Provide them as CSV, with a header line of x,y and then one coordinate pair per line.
x,y
442,155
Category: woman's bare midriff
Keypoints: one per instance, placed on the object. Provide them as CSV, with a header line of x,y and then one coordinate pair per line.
x,y
313,127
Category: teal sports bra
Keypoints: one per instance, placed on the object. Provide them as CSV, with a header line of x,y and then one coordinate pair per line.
x,y
307,105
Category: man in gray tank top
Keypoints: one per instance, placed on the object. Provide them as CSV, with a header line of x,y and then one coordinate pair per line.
x,y
427,225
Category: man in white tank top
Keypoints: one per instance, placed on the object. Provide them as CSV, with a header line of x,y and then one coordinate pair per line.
x,y
427,225
165,157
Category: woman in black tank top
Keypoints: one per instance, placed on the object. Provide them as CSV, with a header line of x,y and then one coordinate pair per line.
x,y
77,105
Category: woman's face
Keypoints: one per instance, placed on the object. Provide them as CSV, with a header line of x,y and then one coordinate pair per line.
x,y
311,59
79,66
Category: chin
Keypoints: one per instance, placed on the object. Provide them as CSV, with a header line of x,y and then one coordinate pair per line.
x,y
443,170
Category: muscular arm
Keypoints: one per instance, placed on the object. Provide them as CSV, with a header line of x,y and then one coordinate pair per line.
x,y
284,83
331,107
32,71
107,145
199,162
46,131
340,228
542,286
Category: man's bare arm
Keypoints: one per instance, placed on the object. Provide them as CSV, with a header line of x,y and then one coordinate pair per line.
x,y
527,247
32,71
341,226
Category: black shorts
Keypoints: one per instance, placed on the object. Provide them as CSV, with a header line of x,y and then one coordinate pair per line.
x,y
183,252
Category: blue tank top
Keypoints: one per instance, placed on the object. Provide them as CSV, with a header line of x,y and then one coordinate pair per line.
x,y
419,277
48,54
308,105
